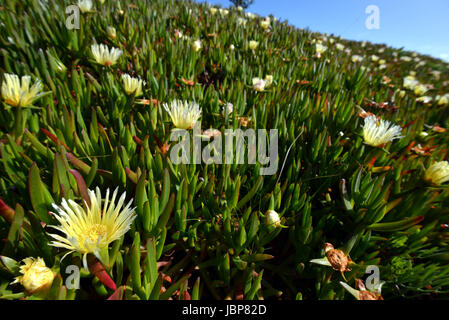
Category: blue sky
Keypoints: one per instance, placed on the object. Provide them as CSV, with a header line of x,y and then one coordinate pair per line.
x,y
418,25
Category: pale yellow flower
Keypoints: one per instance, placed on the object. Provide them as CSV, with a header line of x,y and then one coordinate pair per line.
x,y
85,5
183,114
268,80
223,12
420,89
442,100
17,92
228,109
36,277
197,45
410,82
437,173
406,58
112,34
258,84
319,49
253,44
132,85
90,229
424,99
265,23
241,21
340,47
356,58
377,133
261,84
104,56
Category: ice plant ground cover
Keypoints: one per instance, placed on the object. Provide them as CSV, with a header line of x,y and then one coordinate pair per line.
x,y
87,186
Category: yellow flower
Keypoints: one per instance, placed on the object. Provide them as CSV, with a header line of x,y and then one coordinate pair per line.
x,y
258,84
320,49
253,44
18,92
265,23
112,34
261,84
410,82
420,89
213,10
132,85
35,276
340,47
183,114
104,56
241,21
197,45
437,173
374,58
85,5
91,230
377,133
443,100
406,58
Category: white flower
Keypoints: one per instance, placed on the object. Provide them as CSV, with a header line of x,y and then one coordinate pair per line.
x,y
265,23
91,230
320,49
85,5
340,47
437,173
36,276
420,89
251,15
232,47
132,85
258,84
356,58
197,45
240,8
272,218
178,34
374,58
377,133
223,12
406,58
213,10
183,114
104,56
112,34
410,82
261,84
253,44
17,92
228,109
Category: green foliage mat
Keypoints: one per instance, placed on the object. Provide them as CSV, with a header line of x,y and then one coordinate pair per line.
x,y
200,231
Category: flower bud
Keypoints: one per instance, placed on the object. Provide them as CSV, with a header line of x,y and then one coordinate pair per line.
x,y
272,219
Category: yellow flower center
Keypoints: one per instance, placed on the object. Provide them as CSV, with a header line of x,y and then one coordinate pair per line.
x,y
95,231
